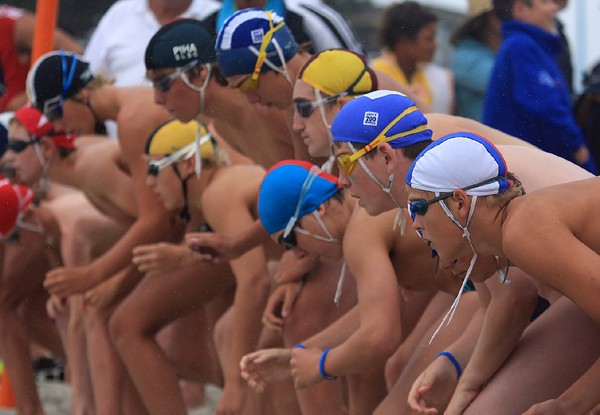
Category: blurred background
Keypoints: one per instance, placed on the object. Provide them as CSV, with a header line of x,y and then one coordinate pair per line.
x,y
581,19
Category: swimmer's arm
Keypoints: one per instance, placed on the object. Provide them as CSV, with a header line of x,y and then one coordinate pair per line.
x,y
228,246
507,315
379,332
337,332
575,275
227,213
153,221
582,396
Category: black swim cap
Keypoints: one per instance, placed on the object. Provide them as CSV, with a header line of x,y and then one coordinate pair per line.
x,y
55,77
178,43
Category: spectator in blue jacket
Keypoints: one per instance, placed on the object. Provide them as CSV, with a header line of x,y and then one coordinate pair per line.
x,y
527,95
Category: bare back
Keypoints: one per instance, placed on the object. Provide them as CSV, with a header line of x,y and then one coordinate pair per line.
x,y
236,187
106,180
552,234
537,169
444,124
260,133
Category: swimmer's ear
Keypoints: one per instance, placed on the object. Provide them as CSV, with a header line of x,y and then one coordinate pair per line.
x,y
48,147
463,202
186,167
340,102
389,155
323,208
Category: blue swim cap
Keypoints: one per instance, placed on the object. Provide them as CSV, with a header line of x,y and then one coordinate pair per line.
x,y
281,189
240,39
460,160
381,112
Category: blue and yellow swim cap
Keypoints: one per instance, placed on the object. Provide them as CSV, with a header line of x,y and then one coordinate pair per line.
x,y
241,37
392,113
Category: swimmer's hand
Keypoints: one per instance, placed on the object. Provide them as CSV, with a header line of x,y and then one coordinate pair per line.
x,y
56,306
265,367
280,305
305,367
291,268
161,258
213,247
432,390
65,282
555,407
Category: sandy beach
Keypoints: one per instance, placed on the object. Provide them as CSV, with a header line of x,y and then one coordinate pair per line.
x,y
57,396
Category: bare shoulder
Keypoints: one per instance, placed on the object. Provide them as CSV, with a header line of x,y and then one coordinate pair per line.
x,y
238,182
138,115
373,231
444,124
544,211
537,169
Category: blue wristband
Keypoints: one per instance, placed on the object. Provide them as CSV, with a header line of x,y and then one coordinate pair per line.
x,y
299,346
322,366
454,362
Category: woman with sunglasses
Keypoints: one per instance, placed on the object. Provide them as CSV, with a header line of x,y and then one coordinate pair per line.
x,y
188,174
541,232
30,239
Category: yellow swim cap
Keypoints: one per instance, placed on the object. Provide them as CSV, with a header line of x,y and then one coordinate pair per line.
x,y
174,135
334,71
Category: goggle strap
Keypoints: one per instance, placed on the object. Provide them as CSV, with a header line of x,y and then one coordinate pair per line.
x,y
262,53
325,123
381,137
340,284
450,314
306,185
197,153
68,80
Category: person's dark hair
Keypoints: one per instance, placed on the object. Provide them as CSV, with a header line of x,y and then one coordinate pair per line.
x,y
403,20
473,28
339,195
64,152
216,73
411,152
504,8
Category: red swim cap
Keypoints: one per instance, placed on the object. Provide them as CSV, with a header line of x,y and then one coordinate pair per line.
x,y
14,200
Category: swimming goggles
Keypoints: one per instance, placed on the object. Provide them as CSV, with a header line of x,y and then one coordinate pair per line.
x,y
164,83
290,241
184,153
420,206
305,108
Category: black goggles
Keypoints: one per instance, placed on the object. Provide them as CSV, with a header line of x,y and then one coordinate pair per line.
x,y
17,145
289,242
